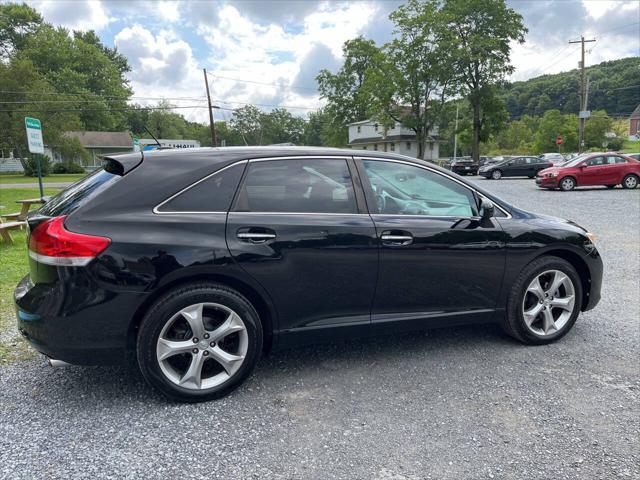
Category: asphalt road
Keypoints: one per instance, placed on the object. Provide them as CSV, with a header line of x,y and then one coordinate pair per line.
x,y
463,403
35,185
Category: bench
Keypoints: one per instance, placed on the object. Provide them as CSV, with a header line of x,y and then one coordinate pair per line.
x,y
6,227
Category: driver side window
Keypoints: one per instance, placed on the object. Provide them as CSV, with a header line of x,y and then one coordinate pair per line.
x,y
401,189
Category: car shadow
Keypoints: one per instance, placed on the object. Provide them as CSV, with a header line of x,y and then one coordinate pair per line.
x,y
112,385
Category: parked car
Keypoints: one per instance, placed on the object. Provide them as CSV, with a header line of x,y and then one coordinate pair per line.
x,y
465,166
608,169
554,158
514,167
197,261
635,156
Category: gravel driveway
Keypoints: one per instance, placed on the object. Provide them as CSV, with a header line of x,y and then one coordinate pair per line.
x,y
461,403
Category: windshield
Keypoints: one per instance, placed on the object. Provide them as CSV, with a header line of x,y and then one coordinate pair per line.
x,y
573,162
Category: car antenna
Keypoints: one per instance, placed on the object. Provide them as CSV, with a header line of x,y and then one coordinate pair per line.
x,y
152,136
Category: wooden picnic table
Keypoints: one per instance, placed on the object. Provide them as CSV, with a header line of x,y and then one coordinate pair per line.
x,y
19,219
21,216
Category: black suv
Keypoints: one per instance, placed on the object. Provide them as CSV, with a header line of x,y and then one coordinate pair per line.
x,y
197,261
515,167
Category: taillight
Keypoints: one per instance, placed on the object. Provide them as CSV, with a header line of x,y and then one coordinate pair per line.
x,y
52,244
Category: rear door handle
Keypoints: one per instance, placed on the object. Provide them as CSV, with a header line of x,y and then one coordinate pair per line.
x,y
391,237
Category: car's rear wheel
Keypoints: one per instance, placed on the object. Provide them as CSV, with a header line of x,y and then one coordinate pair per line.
x,y
630,181
567,184
199,342
496,174
544,301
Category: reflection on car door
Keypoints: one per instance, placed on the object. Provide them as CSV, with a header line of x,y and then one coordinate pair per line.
x,y
593,172
297,228
437,261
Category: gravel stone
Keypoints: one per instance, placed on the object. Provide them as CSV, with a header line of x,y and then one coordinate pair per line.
x,y
452,403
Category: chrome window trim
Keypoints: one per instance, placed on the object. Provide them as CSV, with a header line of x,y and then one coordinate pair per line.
x,y
425,167
157,211
307,157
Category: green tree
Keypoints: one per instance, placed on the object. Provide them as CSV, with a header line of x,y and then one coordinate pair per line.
x,y
17,23
479,35
552,125
247,121
347,99
412,79
596,129
280,126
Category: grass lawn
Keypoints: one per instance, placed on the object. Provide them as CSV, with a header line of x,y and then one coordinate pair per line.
x,y
18,178
14,266
630,147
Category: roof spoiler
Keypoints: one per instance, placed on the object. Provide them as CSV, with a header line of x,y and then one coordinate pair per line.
x,y
122,164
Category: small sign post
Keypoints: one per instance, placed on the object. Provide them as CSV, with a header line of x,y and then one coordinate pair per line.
x,y
36,145
559,142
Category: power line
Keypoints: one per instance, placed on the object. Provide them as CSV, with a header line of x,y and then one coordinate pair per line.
x,y
263,83
292,107
59,110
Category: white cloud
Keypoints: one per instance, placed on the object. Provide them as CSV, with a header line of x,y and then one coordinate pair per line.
x,y
74,15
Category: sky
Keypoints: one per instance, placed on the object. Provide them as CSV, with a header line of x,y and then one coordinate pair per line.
x,y
268,52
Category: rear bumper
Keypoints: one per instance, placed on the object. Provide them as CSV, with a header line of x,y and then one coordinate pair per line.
x,y
79,323
464,170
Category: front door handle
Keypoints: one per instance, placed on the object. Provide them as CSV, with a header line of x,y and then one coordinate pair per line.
x,y
397,238
255,235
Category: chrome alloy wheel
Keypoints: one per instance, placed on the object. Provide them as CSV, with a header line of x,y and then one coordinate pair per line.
x,y
548,302
202,346
630,182
567,184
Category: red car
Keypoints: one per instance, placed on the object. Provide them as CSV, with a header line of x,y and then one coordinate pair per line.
x,y
609,169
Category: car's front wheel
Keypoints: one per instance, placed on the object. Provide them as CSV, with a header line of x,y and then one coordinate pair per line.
x,y
199,342
496,174
567,184
544,301
630,181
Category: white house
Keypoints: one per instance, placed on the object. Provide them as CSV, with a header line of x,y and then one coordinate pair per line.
x,y
370,135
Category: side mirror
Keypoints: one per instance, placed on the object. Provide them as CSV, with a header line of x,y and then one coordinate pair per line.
x,y
487,209
582,165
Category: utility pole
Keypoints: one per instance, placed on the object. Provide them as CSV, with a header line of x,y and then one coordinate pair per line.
x,y
583,92
212,124
455,137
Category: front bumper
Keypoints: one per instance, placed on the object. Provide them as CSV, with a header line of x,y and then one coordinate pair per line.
x,y
547,182
78,323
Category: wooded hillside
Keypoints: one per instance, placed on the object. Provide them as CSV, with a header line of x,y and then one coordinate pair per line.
x,y
614,87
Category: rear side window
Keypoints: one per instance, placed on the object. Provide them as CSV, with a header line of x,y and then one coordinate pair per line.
x,y
80,192
297,186
211,194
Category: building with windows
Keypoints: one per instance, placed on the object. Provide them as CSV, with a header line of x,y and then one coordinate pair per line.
x,y
370,135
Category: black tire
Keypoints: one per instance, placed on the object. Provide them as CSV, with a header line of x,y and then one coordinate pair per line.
x,y
514,324
171,303
567,184
630,181
611,186
496,174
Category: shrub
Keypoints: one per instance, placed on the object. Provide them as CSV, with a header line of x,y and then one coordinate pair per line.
x,y
67,167
30,169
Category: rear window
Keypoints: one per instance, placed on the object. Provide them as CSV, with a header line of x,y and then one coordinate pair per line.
x,y
77,194
211,194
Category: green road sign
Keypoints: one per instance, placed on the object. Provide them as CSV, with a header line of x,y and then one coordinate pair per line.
x,y
34,135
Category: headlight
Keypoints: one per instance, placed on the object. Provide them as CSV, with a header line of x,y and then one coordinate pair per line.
x,y
591,237
552,174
